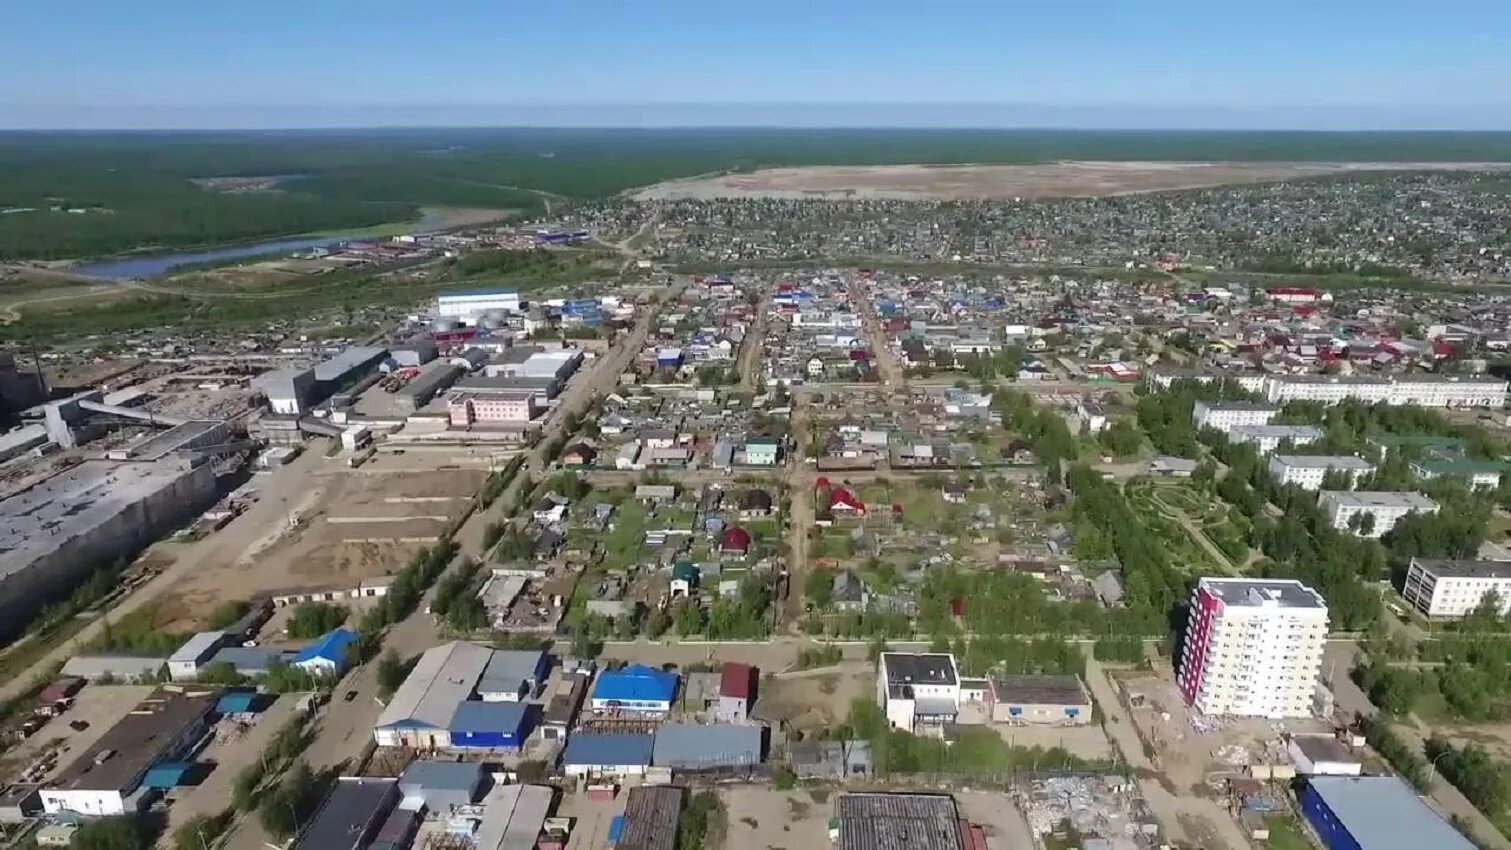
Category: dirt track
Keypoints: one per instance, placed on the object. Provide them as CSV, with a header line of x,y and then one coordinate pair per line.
x,y
976,182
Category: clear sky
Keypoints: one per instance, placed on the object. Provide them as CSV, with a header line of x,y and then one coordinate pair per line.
x,y
1323,64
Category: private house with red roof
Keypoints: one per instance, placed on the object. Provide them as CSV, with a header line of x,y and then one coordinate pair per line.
x,y
735,541
737,683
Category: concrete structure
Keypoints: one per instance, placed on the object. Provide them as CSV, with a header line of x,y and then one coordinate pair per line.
x,y
1091,415
19,440
124,669
468,306
351,815
196,434
1384,509
346,368
1308,471
57,532
1323,755
1268,438
1227,415
1060,700
1253,647
1448,589
918,688
1478,474
107,778
289,391
466,409
1420,390
1374,813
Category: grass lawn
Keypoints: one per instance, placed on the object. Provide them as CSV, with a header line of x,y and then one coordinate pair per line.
x,y
1287,834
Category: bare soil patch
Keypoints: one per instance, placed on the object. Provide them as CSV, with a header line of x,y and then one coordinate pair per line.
x,y
977,182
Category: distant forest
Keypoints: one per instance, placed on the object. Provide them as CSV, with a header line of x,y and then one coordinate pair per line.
x,y
129,191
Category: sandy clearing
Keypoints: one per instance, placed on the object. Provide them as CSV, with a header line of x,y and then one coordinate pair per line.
x,y
976,182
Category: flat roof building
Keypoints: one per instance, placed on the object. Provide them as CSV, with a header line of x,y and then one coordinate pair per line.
x,y
351,814
915,688
1377,511
1449,589
106,779
1038,699
1253,647
694,747
1310,472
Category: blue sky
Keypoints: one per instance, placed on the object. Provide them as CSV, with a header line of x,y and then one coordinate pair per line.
x,y
1325,64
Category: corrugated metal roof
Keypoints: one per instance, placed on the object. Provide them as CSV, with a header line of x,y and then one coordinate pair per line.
x,y
442,678
608,749
636,682
508,668
1383,813
197,646
478,716
513,816
421,776
687,745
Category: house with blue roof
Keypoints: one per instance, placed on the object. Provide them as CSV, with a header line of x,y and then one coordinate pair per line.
x,y
635,688
328,655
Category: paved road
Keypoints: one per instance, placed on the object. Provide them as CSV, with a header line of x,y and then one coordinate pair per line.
x,y
345,725
1338,659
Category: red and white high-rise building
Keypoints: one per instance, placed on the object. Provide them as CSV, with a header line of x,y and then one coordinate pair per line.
x,y
1253,647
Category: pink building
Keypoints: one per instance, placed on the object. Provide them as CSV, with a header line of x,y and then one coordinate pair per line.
x,y
469,409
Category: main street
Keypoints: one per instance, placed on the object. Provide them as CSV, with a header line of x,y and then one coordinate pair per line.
x,y
344,727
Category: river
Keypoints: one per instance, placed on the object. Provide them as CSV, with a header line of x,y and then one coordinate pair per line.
x,y
157,264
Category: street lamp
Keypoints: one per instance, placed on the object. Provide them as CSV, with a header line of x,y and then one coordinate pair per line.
x,y
1433,764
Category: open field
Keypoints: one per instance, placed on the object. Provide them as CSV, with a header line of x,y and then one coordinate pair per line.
x,y
337,527
976,182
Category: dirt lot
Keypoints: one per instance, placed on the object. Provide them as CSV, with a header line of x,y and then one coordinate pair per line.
x,y
101,706
235,745
764,819
971,182
1087,742
348,526
810,700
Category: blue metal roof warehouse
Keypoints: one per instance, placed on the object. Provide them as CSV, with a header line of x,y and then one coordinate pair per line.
x,y
607,752
492,725
1374,813
636,687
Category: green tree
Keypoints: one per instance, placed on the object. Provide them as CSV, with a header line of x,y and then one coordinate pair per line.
x,y
310,620
392,670
116,833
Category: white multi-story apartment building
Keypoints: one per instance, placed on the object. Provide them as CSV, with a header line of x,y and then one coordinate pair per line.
x,y
1227,415
1385,509
918,688
1248,382
469,305
1267,438
1421,390
1307,471
1443,589
1253,647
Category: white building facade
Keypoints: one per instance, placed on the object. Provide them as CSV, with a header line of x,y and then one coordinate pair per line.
x,y
1385,509
1266,439
1420,390
1443,589
1308,471
1253,647
917,688
1227,415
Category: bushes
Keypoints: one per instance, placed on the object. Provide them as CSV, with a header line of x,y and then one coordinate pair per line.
x,y
1392,748
283,809
819,656
313,619
1123,650
1482,778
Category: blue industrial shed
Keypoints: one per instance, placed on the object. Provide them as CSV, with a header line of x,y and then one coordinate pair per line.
x,y
237,702
1374,813
635,688
328,655
492,725
589,752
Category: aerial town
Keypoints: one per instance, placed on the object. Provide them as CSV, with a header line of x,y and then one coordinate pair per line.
x,y
1101,523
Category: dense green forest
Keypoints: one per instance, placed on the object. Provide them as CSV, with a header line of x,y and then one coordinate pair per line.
x,y
137,188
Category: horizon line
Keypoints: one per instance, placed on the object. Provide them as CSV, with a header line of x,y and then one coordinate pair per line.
x,y
1025,128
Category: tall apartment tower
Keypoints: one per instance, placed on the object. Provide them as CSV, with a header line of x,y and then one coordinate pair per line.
x,y
1253,647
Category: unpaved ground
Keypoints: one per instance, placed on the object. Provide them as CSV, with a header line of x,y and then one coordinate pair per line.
x,y
972,182
811,700
1087,742
764,819
100,706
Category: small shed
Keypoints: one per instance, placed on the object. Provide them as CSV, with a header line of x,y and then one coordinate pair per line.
x,y
442,785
